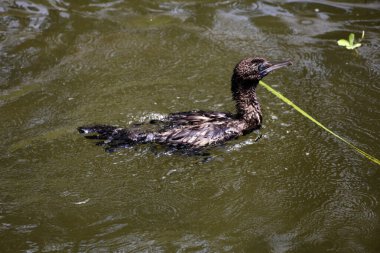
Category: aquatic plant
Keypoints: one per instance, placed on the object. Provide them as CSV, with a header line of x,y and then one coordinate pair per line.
x,y
308,116
350,43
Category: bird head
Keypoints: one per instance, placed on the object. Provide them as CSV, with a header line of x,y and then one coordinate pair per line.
x,y
252,70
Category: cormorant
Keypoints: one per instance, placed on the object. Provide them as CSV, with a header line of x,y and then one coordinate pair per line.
x,y
198,129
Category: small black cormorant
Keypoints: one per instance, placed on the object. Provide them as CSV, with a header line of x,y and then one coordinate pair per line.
x,y
198,129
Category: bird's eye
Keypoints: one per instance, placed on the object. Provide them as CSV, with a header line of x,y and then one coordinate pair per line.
x,y
261,67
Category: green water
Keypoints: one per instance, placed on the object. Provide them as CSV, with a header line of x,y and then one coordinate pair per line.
x,y
65,63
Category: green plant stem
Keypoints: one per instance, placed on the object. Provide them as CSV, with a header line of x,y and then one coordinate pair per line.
x,y
286,100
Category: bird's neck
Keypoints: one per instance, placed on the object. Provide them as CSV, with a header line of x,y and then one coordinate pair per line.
x,y
247,106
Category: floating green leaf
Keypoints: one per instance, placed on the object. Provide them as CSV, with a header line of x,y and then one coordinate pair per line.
x,y
343,43
350,43
354,46
351,38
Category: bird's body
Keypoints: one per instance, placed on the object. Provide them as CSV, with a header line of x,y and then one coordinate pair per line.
x,y
197,129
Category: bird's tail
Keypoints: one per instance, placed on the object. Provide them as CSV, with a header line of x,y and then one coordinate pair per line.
x,y
114,137
101,132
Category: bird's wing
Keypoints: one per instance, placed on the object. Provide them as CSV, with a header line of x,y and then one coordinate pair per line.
x,y
198,135
194,118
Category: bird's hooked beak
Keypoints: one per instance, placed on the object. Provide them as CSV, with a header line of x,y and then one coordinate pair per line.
x,y
268,67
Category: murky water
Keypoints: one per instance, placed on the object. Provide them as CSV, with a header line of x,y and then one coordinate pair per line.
x,y
67,63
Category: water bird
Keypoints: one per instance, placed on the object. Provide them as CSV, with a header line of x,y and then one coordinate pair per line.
x,y
194,130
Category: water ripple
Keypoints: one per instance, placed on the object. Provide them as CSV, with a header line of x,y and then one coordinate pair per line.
x,y
344,213
155,212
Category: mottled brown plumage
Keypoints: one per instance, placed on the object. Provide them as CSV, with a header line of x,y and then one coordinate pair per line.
x,y
198,129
